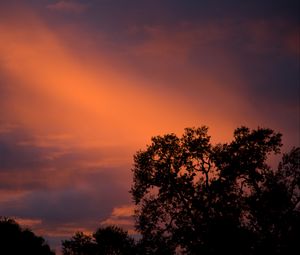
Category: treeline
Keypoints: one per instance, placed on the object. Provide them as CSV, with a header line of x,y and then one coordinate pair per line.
x,y
15,240
193,198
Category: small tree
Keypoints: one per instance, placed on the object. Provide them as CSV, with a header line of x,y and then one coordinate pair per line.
x,y
201,198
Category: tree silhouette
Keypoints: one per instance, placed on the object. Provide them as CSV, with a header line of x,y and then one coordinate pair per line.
x,y
110,240
79,244
113,240
15,241
196,198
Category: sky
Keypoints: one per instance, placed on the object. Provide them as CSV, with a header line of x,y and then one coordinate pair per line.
x,y
86,84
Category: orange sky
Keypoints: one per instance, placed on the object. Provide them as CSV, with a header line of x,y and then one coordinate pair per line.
x,y
78,99
58,94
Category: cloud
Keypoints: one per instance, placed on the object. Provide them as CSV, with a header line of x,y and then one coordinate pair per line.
x,y
123,211
7,127
54,83
68,6
181,42
80,203
28,223
41,180
272,36
8,195
245,65
122,216
76,103
28,166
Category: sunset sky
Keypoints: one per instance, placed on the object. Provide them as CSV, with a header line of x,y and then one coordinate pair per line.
x,y
85,84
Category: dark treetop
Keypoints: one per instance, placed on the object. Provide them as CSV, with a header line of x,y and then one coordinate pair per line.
x,y
197,198
15,241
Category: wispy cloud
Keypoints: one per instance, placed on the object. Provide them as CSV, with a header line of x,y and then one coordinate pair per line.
x,y
28,223
68,6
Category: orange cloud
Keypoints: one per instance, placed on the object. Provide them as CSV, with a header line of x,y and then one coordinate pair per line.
x,y
64,231
7,195
122,216
57,94
123,211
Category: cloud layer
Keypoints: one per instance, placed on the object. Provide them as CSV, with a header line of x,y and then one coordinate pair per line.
x,y
85,84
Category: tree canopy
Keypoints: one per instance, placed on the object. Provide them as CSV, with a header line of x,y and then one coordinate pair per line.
x,y
109,240
193,197
15,241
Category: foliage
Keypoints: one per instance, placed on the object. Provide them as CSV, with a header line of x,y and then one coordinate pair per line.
x,y
110,240
113,240
79,244
201,198
14,240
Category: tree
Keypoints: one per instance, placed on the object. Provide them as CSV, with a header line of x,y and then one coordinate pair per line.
x,y
201,198
14,240
110,240
79,244
113,240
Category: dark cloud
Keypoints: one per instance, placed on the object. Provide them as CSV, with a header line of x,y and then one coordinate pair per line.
x,y
15,157
60,189
56,188
114,15
71,204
